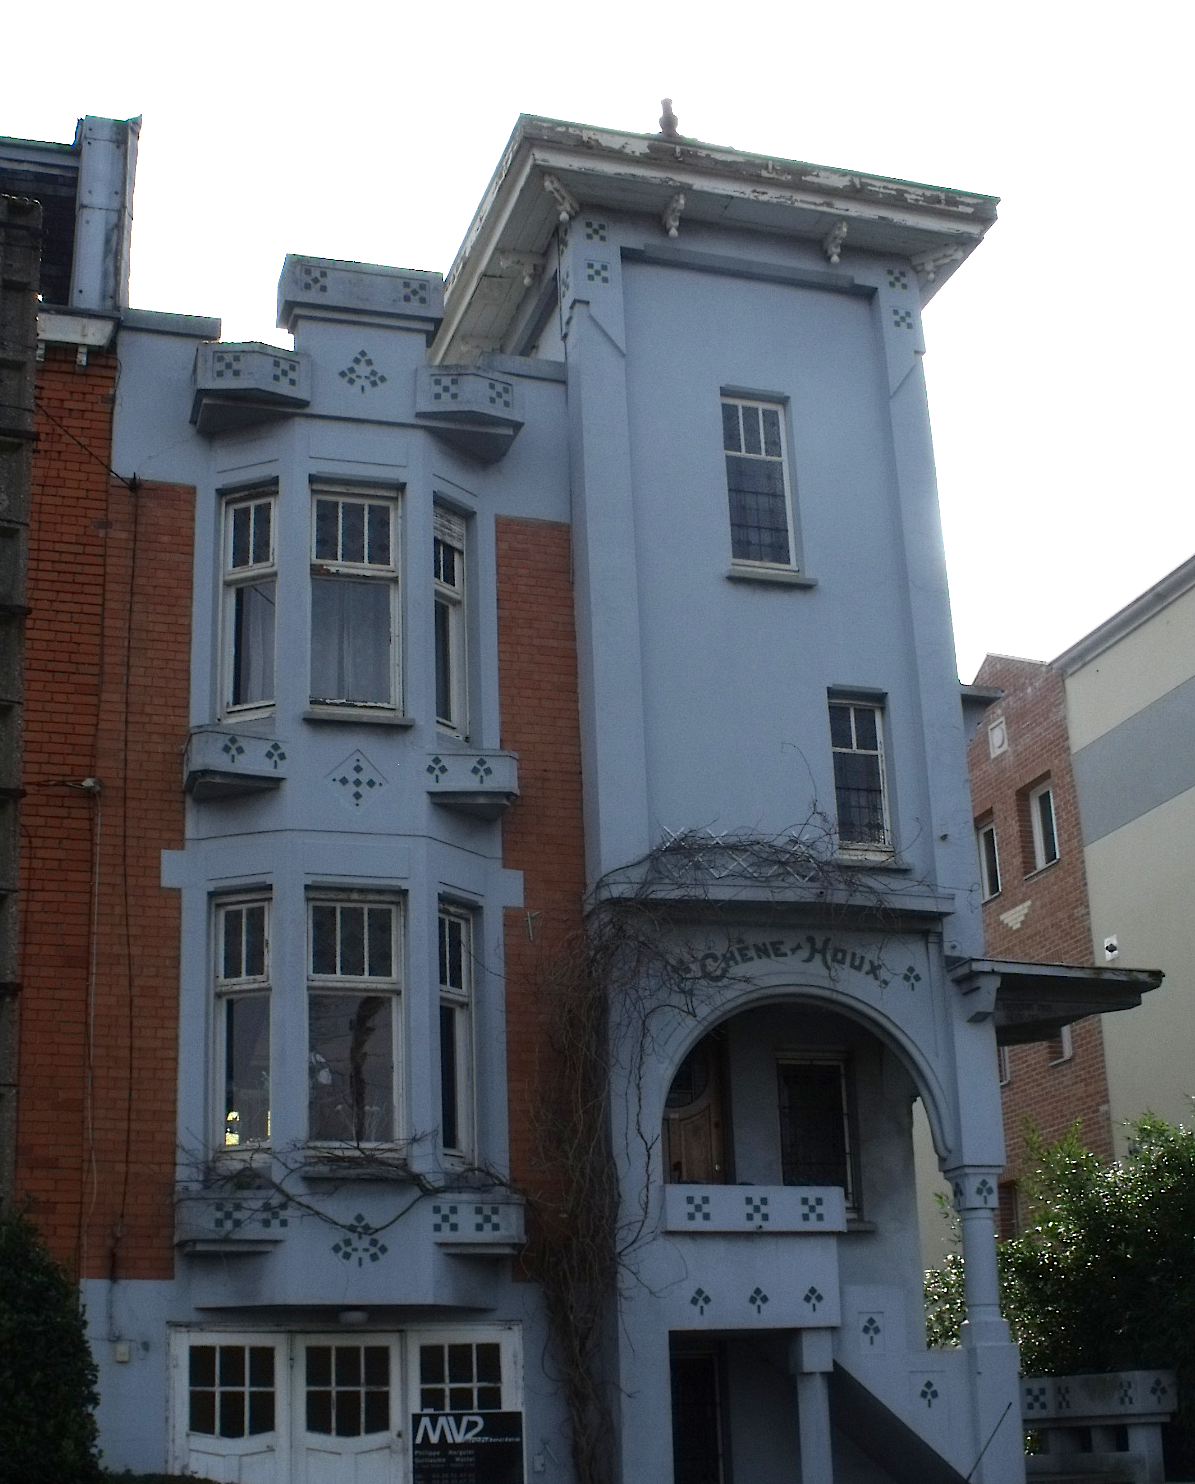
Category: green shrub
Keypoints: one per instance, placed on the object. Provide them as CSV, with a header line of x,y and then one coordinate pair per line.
x,y
47,1375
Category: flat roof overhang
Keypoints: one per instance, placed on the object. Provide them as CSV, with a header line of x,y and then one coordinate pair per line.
x,y
1032,1002
550,167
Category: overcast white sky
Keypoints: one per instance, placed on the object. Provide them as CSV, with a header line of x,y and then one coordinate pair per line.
x,y
1059,358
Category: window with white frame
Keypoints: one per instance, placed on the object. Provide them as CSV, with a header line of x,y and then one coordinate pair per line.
x,y
231,1389
757,482
1041,825
816,1147
243,1022
857,743
250,580
448,564
989,860
354,599
353,987
456,1031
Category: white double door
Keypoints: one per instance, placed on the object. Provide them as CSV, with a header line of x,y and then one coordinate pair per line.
x,y
323,1408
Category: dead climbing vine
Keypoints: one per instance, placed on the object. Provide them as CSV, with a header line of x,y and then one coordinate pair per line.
x,y
601,992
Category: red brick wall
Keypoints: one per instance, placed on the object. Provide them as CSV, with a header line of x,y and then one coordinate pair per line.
x,y
1056,928
105,697
543,832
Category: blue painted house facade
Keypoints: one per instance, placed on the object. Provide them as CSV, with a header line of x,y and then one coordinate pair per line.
x,y
704,368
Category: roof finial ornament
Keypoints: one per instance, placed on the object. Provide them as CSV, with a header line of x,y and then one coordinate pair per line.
x,y
668,120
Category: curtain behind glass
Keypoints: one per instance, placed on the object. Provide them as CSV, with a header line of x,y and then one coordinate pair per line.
x,y
350,641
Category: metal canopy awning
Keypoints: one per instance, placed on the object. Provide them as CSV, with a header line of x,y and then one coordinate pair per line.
x,y
1032,1002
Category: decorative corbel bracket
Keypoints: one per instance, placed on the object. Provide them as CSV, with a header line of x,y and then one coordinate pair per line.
x,y
832,242
529,265
927,264
565,200
671,214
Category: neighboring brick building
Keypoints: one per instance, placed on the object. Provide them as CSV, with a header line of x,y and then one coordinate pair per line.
x,y
1107,731
1034,892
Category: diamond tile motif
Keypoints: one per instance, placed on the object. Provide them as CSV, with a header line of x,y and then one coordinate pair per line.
x,y
229,1216
985,1191
755,1211
898,279
871,1330
356,780
595,231
285,373
313,280
757,1299
902,319
1062,1395
911,977
481,770
226,365
414,291
1035,1399
597,272
444,1218
437,768
360,1242
361,372
275,754
697,1208
446,389
813,1208
501,394
273,1213
233,749
1159,1389
487,1218
813,1296
928,1393
1125,1394
700,1300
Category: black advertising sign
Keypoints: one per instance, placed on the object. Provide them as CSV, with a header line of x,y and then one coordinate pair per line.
x,y
467,1448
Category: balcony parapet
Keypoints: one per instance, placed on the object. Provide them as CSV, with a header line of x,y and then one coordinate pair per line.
x,y
481,784
238,385
791,1209
478,411
221,763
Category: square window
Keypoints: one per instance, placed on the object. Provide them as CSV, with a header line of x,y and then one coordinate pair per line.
x,y
989,860
1041,826
758,483
243,1022
448,570
857,744
354,600
249,593
353,1020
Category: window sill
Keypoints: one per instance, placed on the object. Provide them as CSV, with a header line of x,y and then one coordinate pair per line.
x,y
358,716
1041,870
778,576
855,1224
877,858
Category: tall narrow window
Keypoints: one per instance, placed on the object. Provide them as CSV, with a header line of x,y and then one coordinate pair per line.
x,y
757,482
354,600
448,550
1041,824
815,1131
249,587
456,1032
243,1022
989,860
353,1021
857,741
